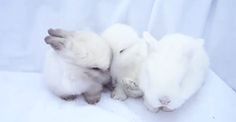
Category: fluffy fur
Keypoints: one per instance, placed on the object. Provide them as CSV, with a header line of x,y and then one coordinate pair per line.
x,y
129,51
173,72
78,63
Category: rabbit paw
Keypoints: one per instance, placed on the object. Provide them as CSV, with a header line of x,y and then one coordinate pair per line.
x,y
130,84
69,97
92,99
118,94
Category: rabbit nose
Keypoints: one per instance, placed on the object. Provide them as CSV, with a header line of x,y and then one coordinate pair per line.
x,y
164,100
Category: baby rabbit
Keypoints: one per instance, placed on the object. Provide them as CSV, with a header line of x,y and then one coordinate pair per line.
x,y
129,51
77,64
173,72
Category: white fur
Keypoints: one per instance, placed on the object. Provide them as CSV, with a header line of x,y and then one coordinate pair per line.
x,y
69,70
173,71
129,51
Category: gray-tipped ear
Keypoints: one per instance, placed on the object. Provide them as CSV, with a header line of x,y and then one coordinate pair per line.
x,y
150,41
55,42
59,33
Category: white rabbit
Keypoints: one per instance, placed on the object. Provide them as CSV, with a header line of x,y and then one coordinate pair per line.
x,y
129,51
78,63
173,72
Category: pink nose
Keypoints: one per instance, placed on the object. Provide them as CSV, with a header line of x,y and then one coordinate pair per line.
x,y
164,100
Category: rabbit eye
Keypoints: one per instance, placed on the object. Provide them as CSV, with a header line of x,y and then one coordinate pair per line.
x,y
121,51
95,68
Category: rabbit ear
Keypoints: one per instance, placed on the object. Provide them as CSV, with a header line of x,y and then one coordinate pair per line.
x,y
189,52
150,41
59,33
55,42
57,38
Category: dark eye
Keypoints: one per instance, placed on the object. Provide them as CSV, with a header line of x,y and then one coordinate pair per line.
x,y
95,68
121,51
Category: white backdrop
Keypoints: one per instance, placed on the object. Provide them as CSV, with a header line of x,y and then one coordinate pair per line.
x,y
24,23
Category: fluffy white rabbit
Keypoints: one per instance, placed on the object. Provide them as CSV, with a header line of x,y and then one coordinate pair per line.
x,y
78,63
173,72
129,51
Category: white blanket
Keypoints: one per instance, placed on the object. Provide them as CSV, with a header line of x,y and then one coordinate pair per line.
x,y
24,98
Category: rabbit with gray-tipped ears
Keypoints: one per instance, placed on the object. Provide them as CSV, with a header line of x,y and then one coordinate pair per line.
x,y
77,64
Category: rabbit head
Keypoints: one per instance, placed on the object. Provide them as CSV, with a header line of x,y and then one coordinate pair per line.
x,y
86,50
